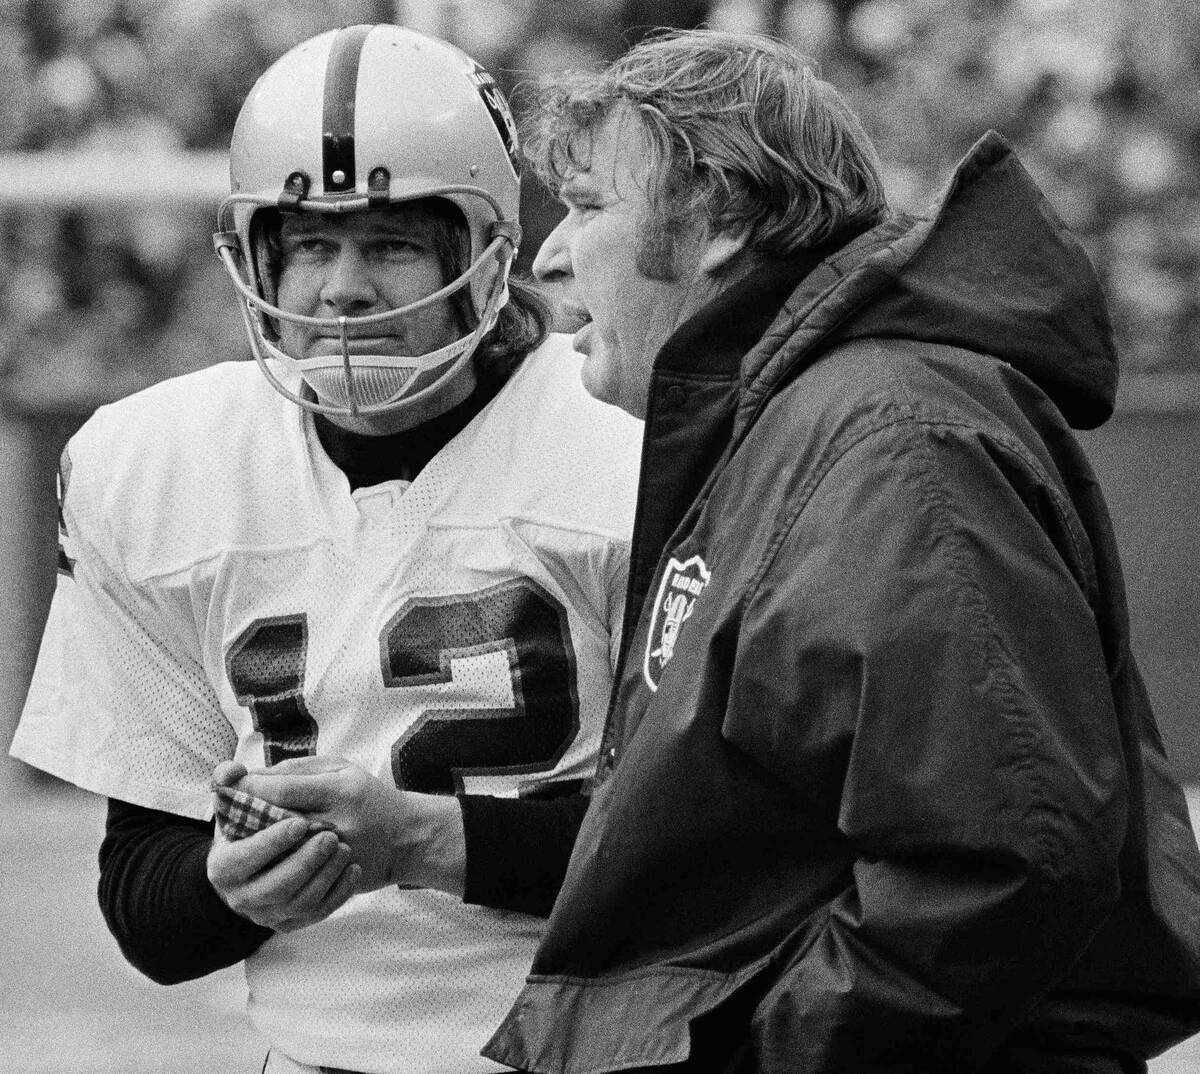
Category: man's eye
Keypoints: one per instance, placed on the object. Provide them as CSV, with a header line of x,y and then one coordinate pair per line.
x,y
403,249
306,248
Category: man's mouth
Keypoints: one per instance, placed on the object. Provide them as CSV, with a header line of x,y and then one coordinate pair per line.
x,y
572,317
581,341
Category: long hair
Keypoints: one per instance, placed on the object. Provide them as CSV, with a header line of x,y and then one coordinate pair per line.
x,y
741,132
523,323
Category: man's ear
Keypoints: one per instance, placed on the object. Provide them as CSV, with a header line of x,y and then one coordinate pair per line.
x,y
721,250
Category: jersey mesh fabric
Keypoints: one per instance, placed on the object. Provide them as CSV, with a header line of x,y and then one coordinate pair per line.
x,y
231,598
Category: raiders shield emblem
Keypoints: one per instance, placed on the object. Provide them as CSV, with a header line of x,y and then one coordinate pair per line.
x,y
681,584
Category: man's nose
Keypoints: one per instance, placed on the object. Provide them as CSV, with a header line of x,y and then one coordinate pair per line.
x,y
349,284
553,261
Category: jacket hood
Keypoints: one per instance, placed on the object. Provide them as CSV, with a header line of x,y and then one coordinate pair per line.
x,y
989,268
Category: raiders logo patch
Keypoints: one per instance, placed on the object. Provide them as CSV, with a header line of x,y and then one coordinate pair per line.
x,y
498,109
681,584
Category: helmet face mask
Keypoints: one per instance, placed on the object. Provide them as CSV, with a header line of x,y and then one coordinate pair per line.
x,y
359,119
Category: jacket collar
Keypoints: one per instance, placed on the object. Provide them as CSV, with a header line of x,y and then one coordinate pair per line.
x,y
715,340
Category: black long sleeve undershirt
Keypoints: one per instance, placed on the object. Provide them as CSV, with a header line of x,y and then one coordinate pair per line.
x,y
154,892
156,899
518,849
172,926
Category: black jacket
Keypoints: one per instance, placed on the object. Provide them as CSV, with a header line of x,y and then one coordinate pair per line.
x,y
883,789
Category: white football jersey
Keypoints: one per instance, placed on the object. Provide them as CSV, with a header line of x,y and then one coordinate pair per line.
x,y
223,594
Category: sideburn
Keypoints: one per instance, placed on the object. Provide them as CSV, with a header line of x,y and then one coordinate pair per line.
x,y
655,255
666,223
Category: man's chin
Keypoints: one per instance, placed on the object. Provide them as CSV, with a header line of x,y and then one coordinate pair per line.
x,y
596,382
602,384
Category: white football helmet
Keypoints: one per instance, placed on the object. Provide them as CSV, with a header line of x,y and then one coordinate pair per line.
x,y
361,118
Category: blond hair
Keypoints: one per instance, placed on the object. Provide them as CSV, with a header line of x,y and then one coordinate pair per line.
x,y
742,133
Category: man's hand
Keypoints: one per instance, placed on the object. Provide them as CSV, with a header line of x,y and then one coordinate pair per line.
x,y
395,837
284,877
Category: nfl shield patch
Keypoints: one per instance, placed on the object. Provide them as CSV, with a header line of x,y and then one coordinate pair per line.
x,y
681,584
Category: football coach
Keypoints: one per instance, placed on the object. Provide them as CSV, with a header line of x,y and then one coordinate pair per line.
x,y
881,788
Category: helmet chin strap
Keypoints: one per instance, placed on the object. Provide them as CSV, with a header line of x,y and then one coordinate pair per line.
x,y
416,411
425,404
429,360
459,351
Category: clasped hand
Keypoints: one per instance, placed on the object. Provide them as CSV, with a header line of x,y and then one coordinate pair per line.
x,y
289,875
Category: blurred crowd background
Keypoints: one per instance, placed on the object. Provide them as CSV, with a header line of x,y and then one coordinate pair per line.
x,y
1100,97
115,119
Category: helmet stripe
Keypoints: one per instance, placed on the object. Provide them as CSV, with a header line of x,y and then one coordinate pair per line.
x,y
337,120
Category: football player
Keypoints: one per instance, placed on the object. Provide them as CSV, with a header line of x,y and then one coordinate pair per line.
x,y
393,566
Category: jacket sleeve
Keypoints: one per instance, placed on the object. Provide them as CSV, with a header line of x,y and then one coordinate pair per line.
x,y
920,662
156,899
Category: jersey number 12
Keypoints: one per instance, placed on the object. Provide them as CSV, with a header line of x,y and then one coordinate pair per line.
x,y
517,619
